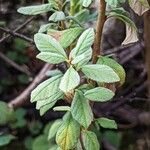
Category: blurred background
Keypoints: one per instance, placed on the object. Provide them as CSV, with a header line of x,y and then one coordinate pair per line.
x,y
20,72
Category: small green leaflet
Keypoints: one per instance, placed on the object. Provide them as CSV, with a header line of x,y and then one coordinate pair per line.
x,y
46,43
86,3
35,10
66,37
45,27
82,59
57,16
52,73
84,43
41,143
99,94
70,80
107,123
6,139
45,108
54,128
100,73
85,87
7,114
115,66
90,140
81,110
68,133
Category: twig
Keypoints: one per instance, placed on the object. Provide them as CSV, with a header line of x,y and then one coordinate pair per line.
x,y
137,90
131,53
21,99
17,35
99,30
17,29
15,65
121,48
121,101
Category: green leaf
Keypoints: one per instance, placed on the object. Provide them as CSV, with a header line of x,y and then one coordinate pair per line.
x,y
99,94
79,146
86,3
131,30
107,123
6,139
82,59
46,43
84,43
85,87
61,108
45,27
115,66
121,14
90,140
52,99
45,108
57,16
7,114
100,73
114,138
81,110
40,143
47,93
35,10
70,80
52,73
66,37
52,58
55,3
35,127
20,121
68,133
84,16
54,128
46,89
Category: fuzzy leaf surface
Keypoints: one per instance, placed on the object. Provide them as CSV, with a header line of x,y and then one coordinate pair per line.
x,y
100,73
99,94
81,110
68,133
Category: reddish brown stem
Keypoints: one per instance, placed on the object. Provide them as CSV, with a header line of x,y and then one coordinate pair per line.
x,y
23,97
99,30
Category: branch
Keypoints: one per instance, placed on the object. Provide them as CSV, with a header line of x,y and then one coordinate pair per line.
x,y
21,99
15,65
17,29
122,48
17,35
99,30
